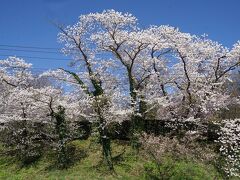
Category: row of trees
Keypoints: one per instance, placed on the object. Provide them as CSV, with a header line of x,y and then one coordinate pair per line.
x,y
121,72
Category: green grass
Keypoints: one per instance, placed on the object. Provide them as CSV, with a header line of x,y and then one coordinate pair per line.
x,y
89,165
180,170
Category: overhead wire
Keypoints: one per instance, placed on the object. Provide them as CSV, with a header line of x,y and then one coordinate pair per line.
x,y
36,57
31,49
27,47
22,50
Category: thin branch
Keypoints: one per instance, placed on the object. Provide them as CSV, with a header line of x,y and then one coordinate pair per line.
x,y
78,79
186,75
218,67
227,70
4,80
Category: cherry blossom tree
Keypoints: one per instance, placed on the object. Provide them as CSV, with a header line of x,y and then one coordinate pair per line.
x,y
25,103
183,72
120,71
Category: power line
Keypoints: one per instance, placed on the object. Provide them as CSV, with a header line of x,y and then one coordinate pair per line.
x,y
22,50
34,57
39,51
27,47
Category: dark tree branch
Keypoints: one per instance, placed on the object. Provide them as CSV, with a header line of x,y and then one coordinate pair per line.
x,y
227,70
13,85
79,81
186,75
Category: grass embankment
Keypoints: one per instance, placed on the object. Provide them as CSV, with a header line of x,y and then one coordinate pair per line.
x,y
88,164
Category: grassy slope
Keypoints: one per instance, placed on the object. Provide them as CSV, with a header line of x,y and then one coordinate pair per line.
x,y
88,165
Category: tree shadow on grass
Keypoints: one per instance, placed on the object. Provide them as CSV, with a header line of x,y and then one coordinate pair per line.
x,y
102,168
74,156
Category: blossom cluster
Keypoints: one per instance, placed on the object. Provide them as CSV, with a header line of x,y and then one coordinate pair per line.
x,y
230,146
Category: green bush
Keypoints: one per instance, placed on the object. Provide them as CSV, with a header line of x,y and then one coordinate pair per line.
x,y
179,170
25,140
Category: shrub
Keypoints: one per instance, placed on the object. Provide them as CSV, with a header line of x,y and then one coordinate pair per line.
x,y
179,170
25,139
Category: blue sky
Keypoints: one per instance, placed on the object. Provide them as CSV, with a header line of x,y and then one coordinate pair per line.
x,y
27,22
